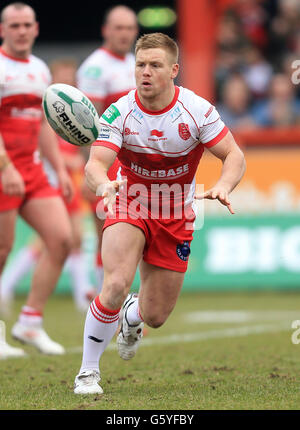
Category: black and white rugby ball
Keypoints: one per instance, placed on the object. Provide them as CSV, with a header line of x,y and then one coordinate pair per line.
x,y
71,114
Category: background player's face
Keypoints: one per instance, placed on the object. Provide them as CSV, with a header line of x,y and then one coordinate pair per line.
x,y
19,30
120,31
154,72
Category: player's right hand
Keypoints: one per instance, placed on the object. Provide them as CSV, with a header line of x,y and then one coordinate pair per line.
x,y
12,182
217,193
108,191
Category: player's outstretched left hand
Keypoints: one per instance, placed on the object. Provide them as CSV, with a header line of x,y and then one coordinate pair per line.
x,y
217,193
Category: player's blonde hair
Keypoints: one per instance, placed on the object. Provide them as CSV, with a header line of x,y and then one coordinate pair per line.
x,y
158,40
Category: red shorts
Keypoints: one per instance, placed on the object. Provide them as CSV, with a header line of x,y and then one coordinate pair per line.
x,y
36,186
167,240
112,175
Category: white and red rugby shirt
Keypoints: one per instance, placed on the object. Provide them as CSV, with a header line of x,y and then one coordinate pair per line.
x,y
105,76
165,146
22,85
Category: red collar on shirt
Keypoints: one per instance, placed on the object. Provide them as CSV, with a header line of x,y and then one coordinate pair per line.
x,y
113,54
157,112
22,60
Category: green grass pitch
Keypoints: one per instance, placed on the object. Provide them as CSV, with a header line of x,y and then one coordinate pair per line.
x,y
217,351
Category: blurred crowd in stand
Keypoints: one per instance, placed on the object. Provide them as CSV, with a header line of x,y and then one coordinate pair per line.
x,y
258,45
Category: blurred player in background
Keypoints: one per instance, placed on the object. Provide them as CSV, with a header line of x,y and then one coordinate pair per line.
x,y
106,75
63,70
168,128
24,188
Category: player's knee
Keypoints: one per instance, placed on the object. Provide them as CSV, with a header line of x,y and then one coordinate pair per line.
x,y
153,320
60,247
65,245
119,286
115,289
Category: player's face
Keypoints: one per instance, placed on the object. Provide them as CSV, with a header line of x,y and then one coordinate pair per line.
x,y
154,72
18,31
120,33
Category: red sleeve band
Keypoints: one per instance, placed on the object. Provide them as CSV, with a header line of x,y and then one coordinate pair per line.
x,y
217,138
109,145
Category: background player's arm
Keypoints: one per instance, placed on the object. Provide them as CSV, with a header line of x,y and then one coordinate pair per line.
x,y
11,179
233,169
73,162
50,149
100,160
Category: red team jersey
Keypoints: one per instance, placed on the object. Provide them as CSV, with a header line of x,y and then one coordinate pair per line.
x,y
22,84
160,148
105,77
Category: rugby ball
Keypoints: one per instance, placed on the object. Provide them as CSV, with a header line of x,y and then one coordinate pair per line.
x,y
71,114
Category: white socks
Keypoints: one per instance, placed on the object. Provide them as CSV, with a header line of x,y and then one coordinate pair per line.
x,y
100,326
30,317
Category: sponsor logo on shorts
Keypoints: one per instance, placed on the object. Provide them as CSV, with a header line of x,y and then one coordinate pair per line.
x,y
183,250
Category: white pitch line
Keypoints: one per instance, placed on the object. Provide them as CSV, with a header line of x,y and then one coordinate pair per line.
x,y
239,316
204,335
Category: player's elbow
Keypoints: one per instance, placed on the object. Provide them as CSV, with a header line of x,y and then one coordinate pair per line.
x,y
89,170
88,173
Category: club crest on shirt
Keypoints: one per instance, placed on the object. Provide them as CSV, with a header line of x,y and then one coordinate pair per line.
x,y
184,131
